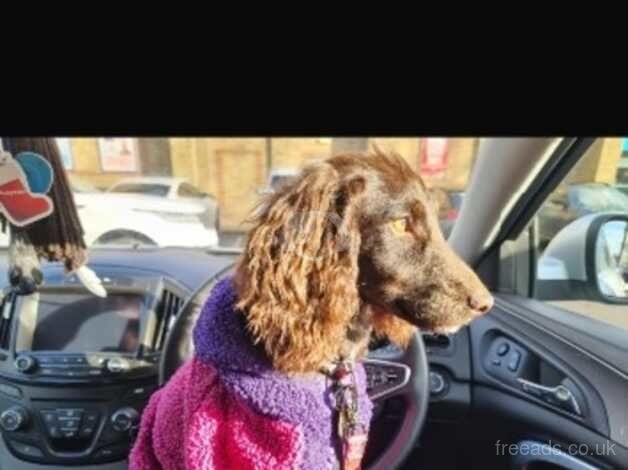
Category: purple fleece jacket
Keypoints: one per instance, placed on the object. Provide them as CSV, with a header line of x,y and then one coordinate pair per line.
x,y
228,408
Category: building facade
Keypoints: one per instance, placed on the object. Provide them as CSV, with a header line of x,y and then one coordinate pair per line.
x,y
233,169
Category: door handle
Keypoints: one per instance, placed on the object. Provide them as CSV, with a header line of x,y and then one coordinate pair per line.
x,y
559,395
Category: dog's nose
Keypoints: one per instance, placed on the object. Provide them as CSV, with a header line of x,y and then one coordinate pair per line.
x,y
480,303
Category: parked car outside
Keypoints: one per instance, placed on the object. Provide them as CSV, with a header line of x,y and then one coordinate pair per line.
x,y
149,211
170,188
276,178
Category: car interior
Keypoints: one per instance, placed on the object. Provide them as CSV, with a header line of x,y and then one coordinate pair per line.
x,y
540,382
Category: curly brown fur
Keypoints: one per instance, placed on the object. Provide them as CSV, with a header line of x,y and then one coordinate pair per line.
x,y
322,266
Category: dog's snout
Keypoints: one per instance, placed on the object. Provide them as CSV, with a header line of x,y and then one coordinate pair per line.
x,y
480,303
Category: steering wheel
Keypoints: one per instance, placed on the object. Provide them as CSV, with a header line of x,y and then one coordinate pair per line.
x,y
390,372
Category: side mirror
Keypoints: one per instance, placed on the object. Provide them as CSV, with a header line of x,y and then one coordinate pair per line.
x,y
611,259
587,260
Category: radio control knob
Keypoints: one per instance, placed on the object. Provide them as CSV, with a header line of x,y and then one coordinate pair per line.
x,y
14,418
25,363
124,419
116,365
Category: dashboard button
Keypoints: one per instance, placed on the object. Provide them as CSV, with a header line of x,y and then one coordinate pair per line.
x,y
54,432
25,363
25,450
49,416
69,412
111,452
86,431
117,365
125,418
69,424
437,383
14,418
140,392
10,390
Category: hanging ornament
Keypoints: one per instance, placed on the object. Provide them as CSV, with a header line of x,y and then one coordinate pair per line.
x,y
18,202
54,235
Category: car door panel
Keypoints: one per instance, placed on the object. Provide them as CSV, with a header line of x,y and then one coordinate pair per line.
x,y
554,345
499,418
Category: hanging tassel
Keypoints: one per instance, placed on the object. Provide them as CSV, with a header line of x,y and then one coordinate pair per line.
x,y
91,281
59,236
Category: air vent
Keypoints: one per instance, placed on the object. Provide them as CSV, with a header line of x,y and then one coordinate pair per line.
x,y
436,341
166,313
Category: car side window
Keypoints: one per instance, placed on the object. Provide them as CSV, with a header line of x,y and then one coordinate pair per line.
x,y
581,252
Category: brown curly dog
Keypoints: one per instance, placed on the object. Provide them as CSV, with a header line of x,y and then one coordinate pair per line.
x,y
351,247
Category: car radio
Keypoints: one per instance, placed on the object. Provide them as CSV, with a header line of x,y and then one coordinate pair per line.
x,y
77,370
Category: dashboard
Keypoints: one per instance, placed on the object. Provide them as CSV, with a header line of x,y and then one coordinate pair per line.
x,y
76,371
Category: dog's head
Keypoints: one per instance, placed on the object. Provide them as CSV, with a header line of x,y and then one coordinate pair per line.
x,y
354,235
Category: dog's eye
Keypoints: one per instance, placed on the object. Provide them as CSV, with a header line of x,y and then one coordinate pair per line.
x,y
399,226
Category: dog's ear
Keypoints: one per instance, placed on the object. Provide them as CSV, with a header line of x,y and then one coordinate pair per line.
x,y
297,279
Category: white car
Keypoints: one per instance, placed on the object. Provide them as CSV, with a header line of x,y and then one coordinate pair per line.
x,y
278,177
148,211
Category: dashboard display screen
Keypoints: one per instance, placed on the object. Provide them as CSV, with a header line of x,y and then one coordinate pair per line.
x,y
85,323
